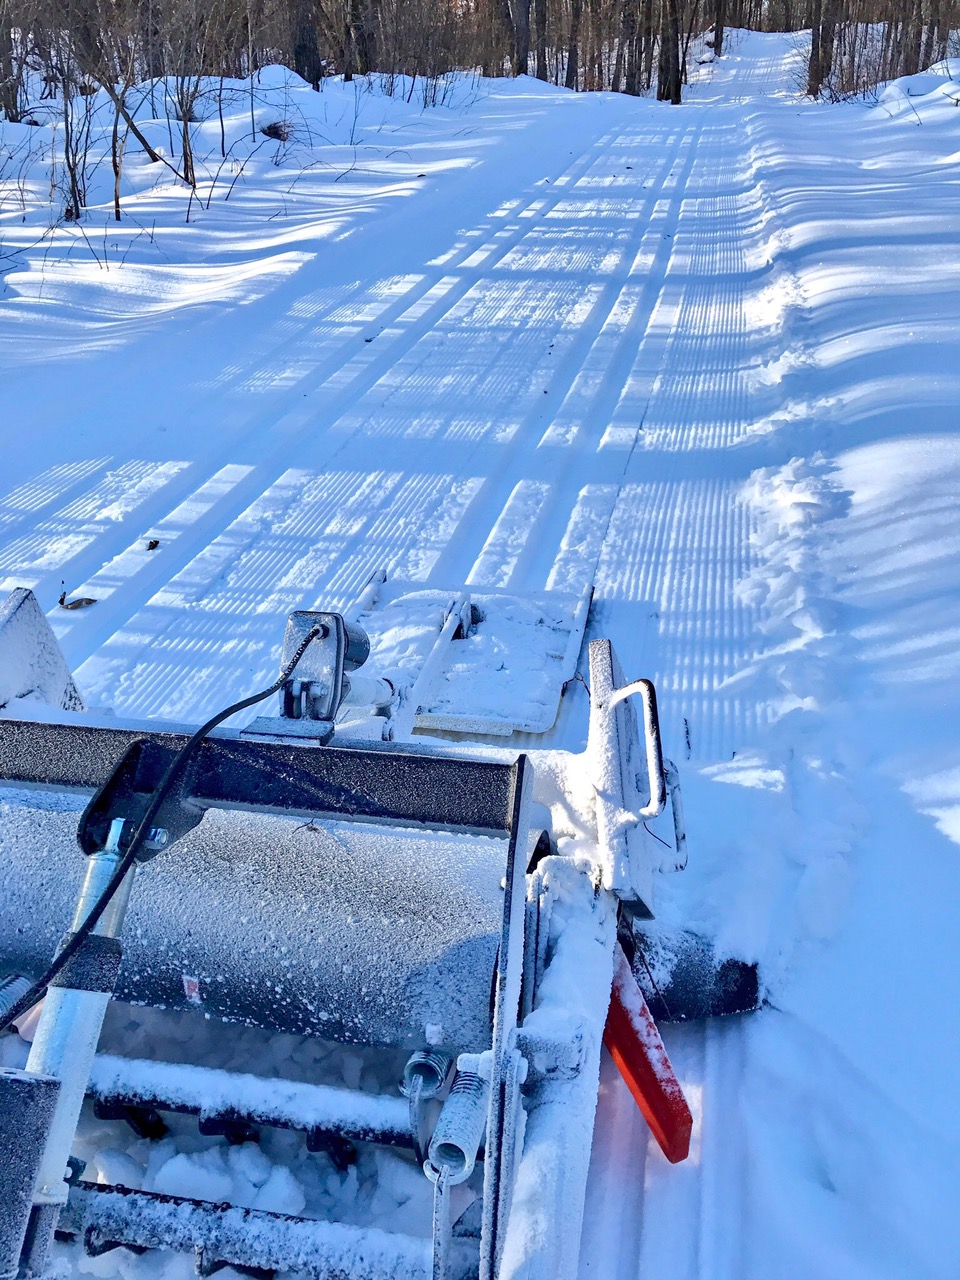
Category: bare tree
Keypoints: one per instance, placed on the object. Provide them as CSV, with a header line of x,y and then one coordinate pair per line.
x,y
669,81
632,46
11,69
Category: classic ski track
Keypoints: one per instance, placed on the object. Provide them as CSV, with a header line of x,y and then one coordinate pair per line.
x,y
335,590
360,372
686,565
679,541
592,342
630,361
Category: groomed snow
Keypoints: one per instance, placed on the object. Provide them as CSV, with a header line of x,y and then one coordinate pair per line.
x,y
707,357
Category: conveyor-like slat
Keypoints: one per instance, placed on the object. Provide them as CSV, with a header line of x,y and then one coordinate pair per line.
x,y
110,1216
286,1104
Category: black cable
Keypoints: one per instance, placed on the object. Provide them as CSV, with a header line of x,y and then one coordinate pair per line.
x,y
86,928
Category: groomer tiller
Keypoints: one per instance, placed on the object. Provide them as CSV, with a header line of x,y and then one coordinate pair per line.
x,y
299,877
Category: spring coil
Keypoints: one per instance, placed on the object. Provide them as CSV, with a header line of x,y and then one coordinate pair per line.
x,y
12,987
460,1128
424,1073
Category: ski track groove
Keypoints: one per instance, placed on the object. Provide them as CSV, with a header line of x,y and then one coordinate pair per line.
x,y
591,338
23,505
354,375
255,480
611,373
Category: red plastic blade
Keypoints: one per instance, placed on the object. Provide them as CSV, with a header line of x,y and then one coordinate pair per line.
x,y
634,1043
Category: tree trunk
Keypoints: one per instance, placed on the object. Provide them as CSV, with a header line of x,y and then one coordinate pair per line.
x,y
151,40
929,57
669,84
828,36
504,33
540,27
687,37
306,51
9,97
593,62
362,21
719,25
912,37
944,12
521,37
648,44
189,174
573,48
815,68
629,43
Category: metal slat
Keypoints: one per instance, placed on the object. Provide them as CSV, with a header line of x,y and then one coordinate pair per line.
x,y
111,1216
446,793
285,1104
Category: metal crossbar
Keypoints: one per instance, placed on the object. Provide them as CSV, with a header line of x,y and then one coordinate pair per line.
x,y
447,793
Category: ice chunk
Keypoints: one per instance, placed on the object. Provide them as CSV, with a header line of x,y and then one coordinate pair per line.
x,y
249,1162
281,1193
203,1176
118,1169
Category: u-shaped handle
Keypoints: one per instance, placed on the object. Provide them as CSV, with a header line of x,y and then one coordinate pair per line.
x,y
651,739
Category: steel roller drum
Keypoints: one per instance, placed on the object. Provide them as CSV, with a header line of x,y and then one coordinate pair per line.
x,y
351,932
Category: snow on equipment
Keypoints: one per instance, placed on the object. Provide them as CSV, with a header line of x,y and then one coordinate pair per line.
x,y
348,881
32,668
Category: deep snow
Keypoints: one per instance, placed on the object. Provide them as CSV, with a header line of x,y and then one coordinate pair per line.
x,y
706,357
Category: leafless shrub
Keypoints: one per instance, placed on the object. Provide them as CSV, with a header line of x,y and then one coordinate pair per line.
x,y
83,56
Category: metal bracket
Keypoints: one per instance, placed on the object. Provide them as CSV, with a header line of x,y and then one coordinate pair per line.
x,y
551,1057
312,696
127,792
318,688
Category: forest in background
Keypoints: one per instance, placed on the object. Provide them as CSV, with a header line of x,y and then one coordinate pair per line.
x,y
64,61
626,46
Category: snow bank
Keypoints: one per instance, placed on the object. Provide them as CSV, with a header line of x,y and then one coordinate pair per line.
x,y
790,585
924,96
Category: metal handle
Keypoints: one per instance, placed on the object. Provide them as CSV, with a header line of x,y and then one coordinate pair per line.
x,y
663,778
657,783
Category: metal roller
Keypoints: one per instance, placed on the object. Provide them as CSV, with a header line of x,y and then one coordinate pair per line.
x,y
360,934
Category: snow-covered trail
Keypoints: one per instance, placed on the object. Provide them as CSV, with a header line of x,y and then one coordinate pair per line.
x,y
484,418
686,355
818,405
478,423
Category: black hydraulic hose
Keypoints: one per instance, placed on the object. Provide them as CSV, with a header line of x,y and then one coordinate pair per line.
x,y
39,989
